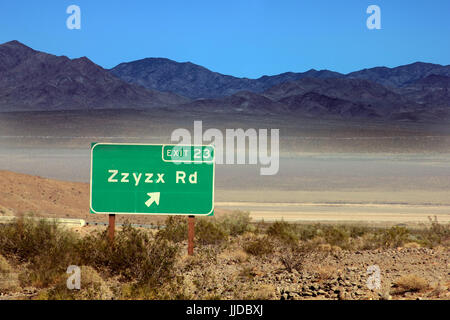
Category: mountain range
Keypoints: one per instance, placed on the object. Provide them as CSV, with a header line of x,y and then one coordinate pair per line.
x,y
31,80
36,81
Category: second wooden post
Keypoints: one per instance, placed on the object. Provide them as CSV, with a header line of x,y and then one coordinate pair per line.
x,y
111,227
191,234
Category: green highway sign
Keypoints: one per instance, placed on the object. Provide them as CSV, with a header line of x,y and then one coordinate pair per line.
x,y
152,179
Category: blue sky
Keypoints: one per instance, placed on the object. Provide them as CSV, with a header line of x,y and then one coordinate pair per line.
x,y
245,38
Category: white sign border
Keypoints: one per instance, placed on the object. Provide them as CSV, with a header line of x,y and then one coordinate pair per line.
x,y
213,162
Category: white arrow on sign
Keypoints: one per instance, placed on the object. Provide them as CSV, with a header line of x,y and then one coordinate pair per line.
x,y
154,197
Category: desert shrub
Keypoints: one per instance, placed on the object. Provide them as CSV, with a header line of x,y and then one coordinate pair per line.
x,y
336,236
393,237
8,280
175,229
93,287
208,232
4,265
134,255
356,231
260,227
435,234
259,246
94,250
129,253
283,231
27,238
307,232
47,248
236,223
367,241
158,267
410,283
294,257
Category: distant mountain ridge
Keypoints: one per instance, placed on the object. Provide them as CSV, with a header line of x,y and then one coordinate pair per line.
x,y
401,76
405,92
194,81
31,80
36,81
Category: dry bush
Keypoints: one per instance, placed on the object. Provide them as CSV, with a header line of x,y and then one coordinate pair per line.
x,y
234,224
8,279
336,236
47,248
93,287
175,229
368,241
410,283
4,265
208,232
259,246
394,237
283,231
134,255
294,257
436,234
26,238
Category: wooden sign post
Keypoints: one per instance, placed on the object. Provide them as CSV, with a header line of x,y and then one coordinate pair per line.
x,y
191,234
111,227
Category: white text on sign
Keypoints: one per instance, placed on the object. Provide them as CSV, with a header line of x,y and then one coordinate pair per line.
x,y
115,176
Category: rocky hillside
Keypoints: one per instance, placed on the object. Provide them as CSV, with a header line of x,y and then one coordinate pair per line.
x,y
194,81
310,97
412,92
31,80
400,76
